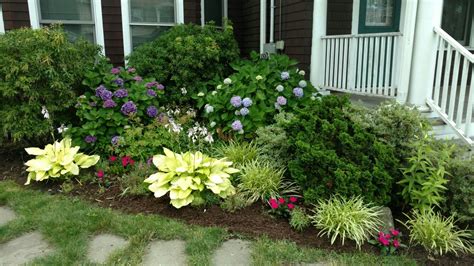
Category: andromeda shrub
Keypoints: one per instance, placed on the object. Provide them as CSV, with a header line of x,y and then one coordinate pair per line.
x,y
40,68
186,57
250,98
331,154
460,192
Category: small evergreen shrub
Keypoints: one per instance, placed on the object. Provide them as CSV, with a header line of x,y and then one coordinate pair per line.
x,y
186,57
460,190
40,68
299,219
331,154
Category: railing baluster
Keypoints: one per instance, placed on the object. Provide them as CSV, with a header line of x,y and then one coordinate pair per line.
x,y
380,82
439,69
336,64
393,91
454,86
351,64
331,64
462,91
375,88
364,67
370,69
388,65
470,105
360,46
345,64
447,75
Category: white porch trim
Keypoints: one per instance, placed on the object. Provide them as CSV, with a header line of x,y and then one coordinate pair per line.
x,y
319,30
263,24
2,27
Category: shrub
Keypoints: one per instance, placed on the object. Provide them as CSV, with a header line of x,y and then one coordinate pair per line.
x,y
330,154
249,98
234,203
187,56
424,180
39,68
460,190
132,182
239,153
57,160
346,218
299,219
186,175
260,180
437,234
116,98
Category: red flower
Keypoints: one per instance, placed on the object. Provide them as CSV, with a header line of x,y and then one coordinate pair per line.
x,y
291,206
127,160
273,203
381,234
383,241
131,161
113,158
396,243
293,199
394,232
100,174
281,200
388,236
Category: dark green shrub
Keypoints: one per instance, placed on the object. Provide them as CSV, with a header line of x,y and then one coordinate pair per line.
x,y
331,154
187,56
40,68
460,193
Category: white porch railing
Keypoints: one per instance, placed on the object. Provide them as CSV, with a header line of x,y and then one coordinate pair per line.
x,y
362,64
453,92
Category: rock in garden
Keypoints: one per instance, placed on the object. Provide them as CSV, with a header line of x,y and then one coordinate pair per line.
x,y
387,219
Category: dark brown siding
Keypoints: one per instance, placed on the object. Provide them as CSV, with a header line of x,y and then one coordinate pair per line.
x,y
339,20
192,11
112,19
248,25
15,14
296,29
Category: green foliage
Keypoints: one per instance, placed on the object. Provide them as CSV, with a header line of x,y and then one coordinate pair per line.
x,y
132,182
424,180
58,161
239,153
234,202
99,121
460,192
185,176
273,141
250,95
346,218
299,219
261,180
187,56
437,234
331,154
40,68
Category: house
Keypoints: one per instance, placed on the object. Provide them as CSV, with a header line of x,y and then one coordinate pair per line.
x,y
414,51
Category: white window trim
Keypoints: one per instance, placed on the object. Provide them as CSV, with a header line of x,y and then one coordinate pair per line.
x,y
225,7
33,8
126,25
2,27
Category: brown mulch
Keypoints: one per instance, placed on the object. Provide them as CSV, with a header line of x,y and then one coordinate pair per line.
x,y
252,221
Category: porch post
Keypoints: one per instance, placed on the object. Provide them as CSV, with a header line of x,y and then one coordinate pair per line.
x,y
424,52
317,52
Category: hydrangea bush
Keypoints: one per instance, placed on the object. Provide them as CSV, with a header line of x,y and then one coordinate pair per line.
x,y
258,90
117,98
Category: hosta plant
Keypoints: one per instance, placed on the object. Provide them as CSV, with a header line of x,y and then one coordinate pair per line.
x,y
57,160
188,176
346,218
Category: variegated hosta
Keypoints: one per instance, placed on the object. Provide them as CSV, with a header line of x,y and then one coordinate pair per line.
x,y
56,160
184,176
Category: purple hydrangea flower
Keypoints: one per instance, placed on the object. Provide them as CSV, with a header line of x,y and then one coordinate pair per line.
x,y
92,104
236,101
247,102
298,92
244,111
121,93
99,90
106,95
115,70
151,111
281,100
151,93
160,87
237,125
115,140
285,75
151,84
119,81
109,104
137,78
128,108
90,139
131,70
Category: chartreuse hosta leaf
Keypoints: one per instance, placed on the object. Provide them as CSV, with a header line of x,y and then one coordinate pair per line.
x,y
57,160
184,176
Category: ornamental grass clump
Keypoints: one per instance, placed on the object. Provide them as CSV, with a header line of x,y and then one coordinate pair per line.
x,y
438,235
238,152
188,176
57,160
346,218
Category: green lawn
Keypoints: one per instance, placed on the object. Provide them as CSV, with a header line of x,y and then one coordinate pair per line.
x,y
68,223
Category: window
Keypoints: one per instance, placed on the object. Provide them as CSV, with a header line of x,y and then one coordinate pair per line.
x,y
80,18
457,20
213,10
379,16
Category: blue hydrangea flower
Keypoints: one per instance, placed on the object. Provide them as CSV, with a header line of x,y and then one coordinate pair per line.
x,y
209,108
128,108
244,111
151,93
121,93
247,102
281,100
119,81
99,90
151,111
285,75
90,139
237,125
115,140
298,92
109,104
236,101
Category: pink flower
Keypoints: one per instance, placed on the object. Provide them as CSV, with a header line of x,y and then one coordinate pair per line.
x,y
281,200
388,236
291,206
127,160
381,234
293,199
396,243
100,174
113,158
273,203
383,241
394,232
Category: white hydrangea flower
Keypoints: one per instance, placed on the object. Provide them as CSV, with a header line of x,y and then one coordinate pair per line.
x,y
184,91
200,94
219,87
302,83
209,108
213,124
227,81
280,88
214,92
258,77
302,73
